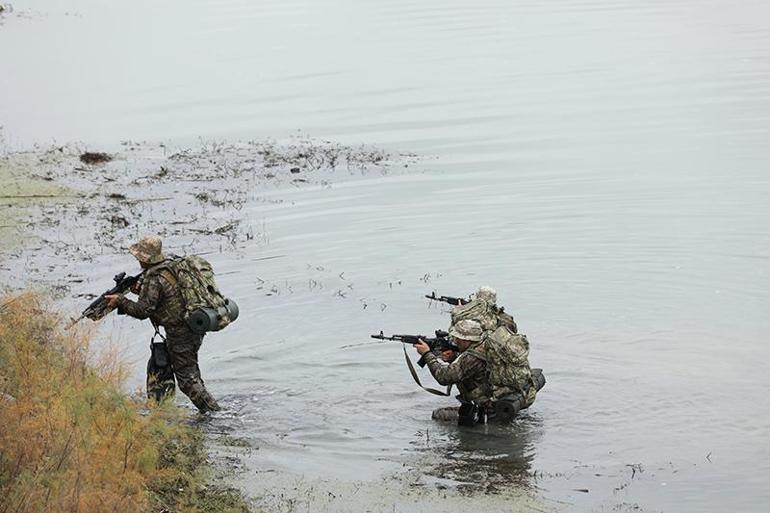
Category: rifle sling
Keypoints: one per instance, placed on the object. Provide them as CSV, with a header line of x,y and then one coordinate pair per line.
x,y
417,379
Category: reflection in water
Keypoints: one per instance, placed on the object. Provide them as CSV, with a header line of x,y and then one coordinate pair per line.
x,y
487,458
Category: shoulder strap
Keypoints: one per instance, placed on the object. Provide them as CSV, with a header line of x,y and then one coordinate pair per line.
x,y
477,351
417,379
158,267
165,270
168,275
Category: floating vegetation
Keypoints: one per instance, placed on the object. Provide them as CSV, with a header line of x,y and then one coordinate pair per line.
x,y
92,158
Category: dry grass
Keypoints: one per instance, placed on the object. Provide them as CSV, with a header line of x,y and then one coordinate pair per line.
x,y
72,441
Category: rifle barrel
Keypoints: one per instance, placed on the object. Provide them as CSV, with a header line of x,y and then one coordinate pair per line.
x,y
454,301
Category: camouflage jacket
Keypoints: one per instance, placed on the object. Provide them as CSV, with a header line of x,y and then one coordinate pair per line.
x,y
468,372
159,299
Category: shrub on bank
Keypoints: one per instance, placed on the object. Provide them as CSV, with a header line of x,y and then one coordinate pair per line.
x,y
71,440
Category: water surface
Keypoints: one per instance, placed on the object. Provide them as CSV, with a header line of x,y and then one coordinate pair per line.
x,y
602,164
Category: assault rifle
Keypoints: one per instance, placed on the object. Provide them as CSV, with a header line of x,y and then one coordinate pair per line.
x,y
454,301
98,307
441,342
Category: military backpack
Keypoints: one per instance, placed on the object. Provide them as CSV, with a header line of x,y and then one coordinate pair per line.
x,y
489,315
507,356
206,309
483,312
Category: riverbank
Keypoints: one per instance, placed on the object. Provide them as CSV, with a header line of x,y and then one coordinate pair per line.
x,y
68,208
72,440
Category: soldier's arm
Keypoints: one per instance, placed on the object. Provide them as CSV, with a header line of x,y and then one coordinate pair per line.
x,y
462,368
148,302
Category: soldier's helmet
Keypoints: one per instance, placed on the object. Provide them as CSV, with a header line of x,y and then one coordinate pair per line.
x,y
148,250
487,294
466,330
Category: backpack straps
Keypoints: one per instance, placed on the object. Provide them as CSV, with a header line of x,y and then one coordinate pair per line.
x,y
479,350
169,276
481,356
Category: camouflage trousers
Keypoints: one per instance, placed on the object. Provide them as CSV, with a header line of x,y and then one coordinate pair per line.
x,y
176,362
446,414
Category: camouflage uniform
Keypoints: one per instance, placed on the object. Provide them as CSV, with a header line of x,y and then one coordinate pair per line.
x,y
468,372
488,294
161,302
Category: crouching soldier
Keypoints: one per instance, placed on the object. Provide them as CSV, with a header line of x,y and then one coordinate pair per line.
x,y
468,371
161,300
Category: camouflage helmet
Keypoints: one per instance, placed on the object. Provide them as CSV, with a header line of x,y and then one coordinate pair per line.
x,y
148,250
487,294
466,330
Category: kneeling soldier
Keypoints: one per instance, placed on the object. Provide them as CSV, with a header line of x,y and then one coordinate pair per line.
x,y
468,371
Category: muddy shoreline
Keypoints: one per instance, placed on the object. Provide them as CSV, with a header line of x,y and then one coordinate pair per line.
x,y
61,209
110,451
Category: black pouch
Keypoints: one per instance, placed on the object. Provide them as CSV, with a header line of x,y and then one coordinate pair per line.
x,y
471,413
160,354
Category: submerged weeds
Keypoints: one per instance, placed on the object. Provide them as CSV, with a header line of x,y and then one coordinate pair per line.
x,y
72,441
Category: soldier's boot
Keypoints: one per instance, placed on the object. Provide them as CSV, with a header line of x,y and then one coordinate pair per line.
x,y
192,386
202,399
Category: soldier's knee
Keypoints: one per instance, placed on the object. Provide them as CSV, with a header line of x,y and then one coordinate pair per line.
x,y
188,385
447,414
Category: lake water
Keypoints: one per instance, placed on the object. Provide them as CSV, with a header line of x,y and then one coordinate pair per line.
x,y
602,164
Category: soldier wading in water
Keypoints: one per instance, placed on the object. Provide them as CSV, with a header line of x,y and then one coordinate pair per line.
x,y
468,371
490,367
161,300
